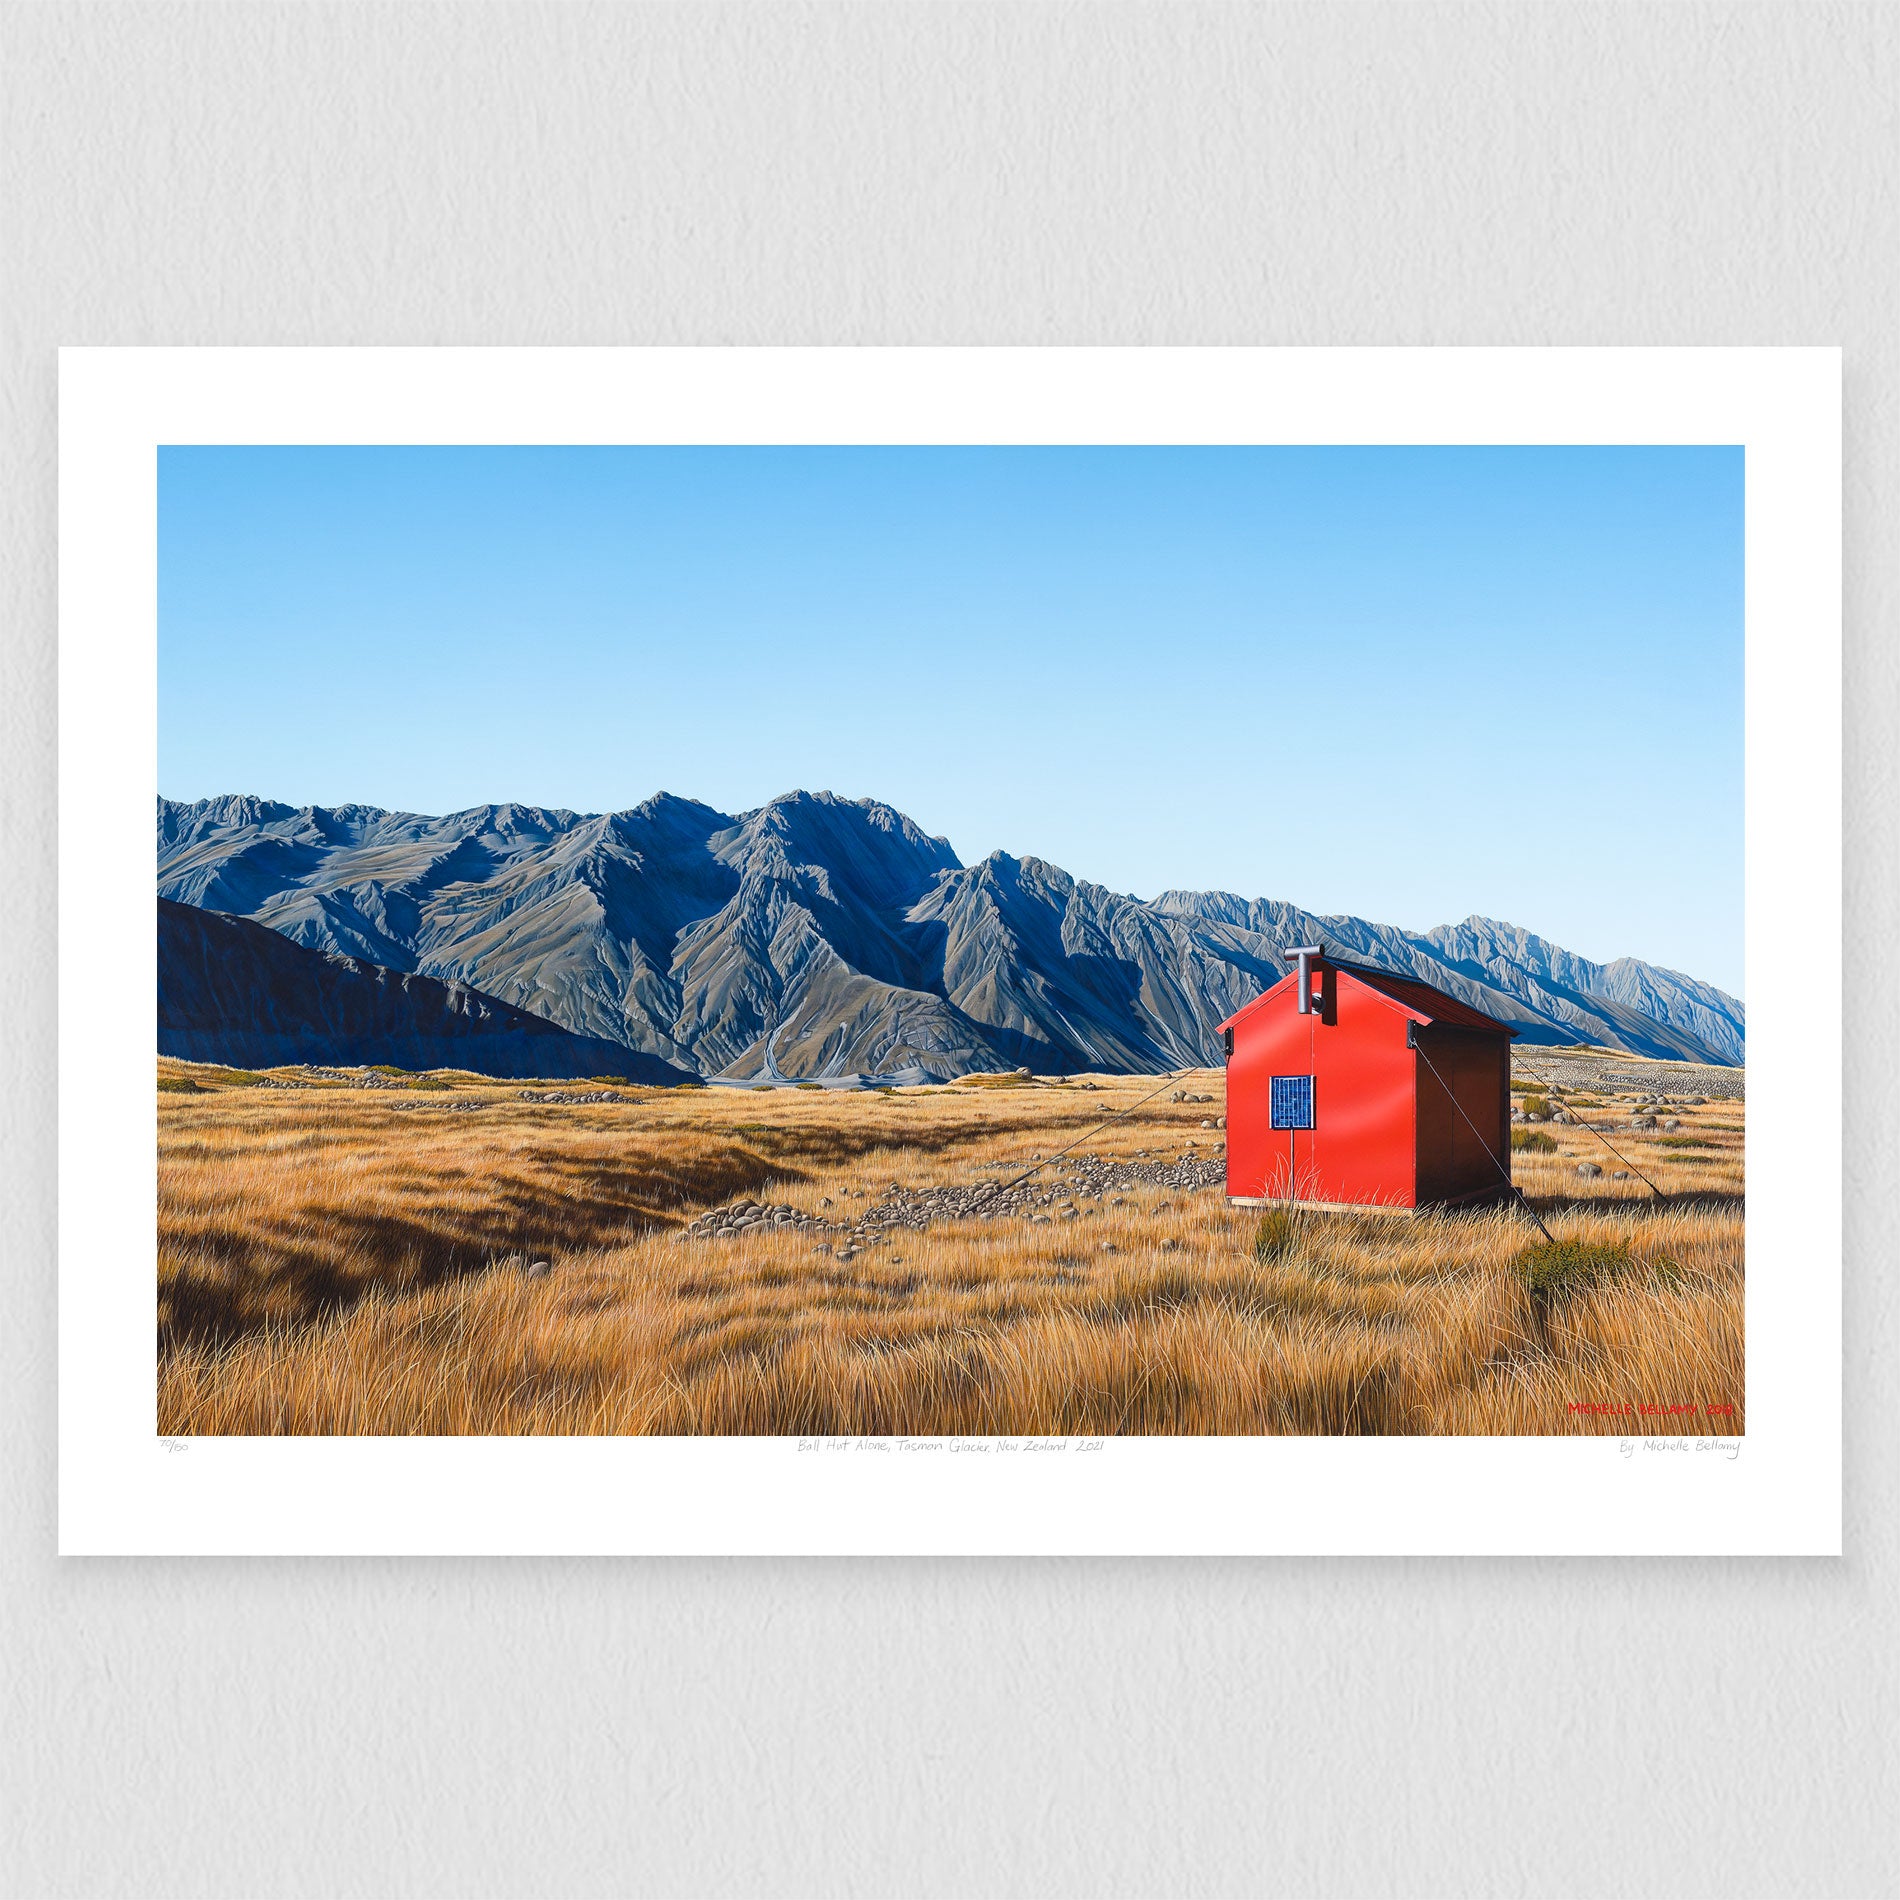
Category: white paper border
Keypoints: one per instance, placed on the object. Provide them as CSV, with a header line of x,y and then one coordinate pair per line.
x,y
122,1490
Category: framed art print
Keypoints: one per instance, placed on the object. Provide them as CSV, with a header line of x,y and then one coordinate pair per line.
x,y
950,950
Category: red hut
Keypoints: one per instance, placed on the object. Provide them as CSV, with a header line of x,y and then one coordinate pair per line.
x,y
1349,1087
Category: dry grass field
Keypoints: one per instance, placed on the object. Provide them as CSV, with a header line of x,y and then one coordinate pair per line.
x,y
340,1259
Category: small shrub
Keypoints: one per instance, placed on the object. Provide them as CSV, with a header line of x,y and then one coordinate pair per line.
x,y
618,1080
179,1085
1552,1268
1532,1141
428,1082
1277,1235
386,1068
1527,1088
808,1085
1536,1108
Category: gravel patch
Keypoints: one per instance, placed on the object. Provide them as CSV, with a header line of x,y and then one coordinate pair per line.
x,y
1063,1191
1610,1075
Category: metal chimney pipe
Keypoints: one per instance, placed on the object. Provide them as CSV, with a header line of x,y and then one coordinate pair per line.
x,y
1307,952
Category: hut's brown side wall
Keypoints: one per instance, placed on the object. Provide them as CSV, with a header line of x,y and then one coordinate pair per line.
x,y
1463,1155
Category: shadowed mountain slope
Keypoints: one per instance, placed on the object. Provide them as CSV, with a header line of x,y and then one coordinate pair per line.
x,y
232,991
823,936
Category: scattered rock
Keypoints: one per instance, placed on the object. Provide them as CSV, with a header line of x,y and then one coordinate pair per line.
x,y
1589,1169
539,1269
1620,1174
1051,1195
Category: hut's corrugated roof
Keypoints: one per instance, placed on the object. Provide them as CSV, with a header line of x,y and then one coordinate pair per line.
x,y
1422,999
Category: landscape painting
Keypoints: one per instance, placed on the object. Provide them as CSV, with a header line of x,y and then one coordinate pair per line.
x,y
938,942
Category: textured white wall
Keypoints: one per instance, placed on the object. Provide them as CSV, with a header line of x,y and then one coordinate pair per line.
x,y
1520,174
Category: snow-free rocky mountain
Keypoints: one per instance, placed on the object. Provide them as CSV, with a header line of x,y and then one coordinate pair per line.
x,y
826,937
231,991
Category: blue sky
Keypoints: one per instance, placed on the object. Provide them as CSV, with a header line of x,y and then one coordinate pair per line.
x,y
1412,684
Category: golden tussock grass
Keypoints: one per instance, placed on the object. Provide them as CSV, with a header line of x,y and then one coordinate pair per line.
x,y
326,1265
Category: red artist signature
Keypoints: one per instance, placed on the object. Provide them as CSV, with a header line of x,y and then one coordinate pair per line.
x,y
1652,1411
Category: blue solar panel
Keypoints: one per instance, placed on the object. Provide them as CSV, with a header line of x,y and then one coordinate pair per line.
x,y
1291,1102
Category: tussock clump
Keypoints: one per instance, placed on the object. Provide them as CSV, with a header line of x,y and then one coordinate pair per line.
x,y
1532,1141
180,1085
1668,1272
1279,1233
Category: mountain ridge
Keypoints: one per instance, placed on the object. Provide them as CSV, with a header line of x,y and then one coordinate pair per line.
x,y
817,935
230,990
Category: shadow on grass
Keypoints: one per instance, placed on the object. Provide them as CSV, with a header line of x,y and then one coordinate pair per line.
x,y
218,1281
1689,1201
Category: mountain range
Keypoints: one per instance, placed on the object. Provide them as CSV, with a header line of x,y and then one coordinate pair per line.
x,y
824,937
